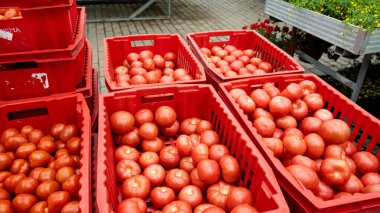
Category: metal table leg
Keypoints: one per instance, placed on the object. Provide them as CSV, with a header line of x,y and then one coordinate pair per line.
x,y
355,86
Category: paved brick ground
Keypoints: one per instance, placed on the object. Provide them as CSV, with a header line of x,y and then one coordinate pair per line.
x,y
187,16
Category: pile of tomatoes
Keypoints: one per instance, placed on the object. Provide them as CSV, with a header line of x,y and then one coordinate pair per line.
x,y
9,14
38,172
146,68
313,146
172,175
229,61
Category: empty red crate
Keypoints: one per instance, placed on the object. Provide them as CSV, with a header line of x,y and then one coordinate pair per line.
x,y
65,51
42,25
189,101
282,62
43,113
46,77
365,134
116,50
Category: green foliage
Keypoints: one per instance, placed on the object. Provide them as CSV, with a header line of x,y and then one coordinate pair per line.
x,y
361,13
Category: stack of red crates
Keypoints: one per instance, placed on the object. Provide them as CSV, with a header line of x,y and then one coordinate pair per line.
x,y
46,64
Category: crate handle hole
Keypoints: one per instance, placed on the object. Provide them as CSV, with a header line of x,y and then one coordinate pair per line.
x,y
219,38
18,66
22,114
157,98
142,43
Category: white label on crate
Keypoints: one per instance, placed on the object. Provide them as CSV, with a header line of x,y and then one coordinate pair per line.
x,y
6,35
43,79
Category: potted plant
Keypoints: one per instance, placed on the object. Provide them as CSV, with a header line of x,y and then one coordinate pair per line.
x,y
292,39
353,25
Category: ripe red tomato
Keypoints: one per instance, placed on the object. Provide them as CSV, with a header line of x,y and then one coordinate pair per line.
x,y
239,196
120,70
209,137
371,188
294,144
169,157
132,205
293,91
39,207
306,176
46,188
222,53
186,164
161,196
370,178
365,162
189,125
264,126
259,112
122,122
126,169
246,104
350,150
202,126
251,68
177,206
351,164
324,191
131,138
310,125
235,93
245,208
275,145
271,89
286,121
342,194
261,98
353,185
165,116
24,202
57,200
267,67
199,152
206,52
230,73
201,208
196,181
217,151
314,102
172,130
191,194
148,158
229,48
315,146
14,142
145,54
155,173
179,73
237,53
334,131
148,131
280,106
229,58
27,185
177,179
5,161
255,61
131,57
159,61
308,87
236,65
230,168
137,186
137,71
4,194
334,151
249,52
245,59
335,171
217,193
299,110
126,153
170,56
208,171
152,145
136,64
184,145
143,116
47,174
323,115
303,160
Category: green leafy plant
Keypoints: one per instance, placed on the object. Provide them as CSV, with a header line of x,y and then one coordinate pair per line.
x,y
361,13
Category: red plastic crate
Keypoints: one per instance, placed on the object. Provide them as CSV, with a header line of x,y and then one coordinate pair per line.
x,y
365,133
67,51
93,101
42,113
188,100
55,21
47,77
116,50
282,62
